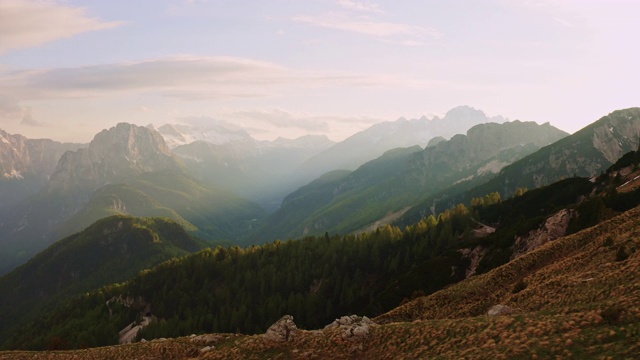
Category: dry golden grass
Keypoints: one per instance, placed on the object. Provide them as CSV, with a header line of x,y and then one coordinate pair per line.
x,y
581,301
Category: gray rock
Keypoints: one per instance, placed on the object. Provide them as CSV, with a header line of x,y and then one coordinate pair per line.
x,y
499,310
353,326
282,330
206,349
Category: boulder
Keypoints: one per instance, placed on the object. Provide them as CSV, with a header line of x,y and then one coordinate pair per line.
x,y
499,310
282,330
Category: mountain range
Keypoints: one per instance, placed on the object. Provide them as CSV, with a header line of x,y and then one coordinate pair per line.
x,y
376,140
222,180
587,153
511,218
126,169
382,189
267,171
397,276
258,170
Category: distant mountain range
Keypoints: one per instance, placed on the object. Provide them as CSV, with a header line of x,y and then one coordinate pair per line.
x,y
382,189
567,249
125,170
376,140
266,171
218,186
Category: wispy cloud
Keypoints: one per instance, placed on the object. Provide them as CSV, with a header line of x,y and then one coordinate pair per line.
x,y
564,22
26,23
168,76
360,6
185,78
382,30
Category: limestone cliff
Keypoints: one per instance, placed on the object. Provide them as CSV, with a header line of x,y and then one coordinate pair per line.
x,y
115,155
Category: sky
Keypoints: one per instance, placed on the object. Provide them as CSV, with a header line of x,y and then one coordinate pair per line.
x,y
70,68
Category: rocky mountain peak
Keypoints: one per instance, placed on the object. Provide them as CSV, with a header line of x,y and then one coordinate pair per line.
x,y
115,155
216,133
130,141
464,111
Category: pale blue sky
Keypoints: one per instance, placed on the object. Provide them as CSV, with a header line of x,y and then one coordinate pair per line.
x,y
70,68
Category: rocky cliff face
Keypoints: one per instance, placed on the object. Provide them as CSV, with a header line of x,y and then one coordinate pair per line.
x,y
115,155
21,157
585,153
481,143
617,134
553,228
25,166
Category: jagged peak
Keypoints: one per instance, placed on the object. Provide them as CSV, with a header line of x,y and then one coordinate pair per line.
x,y
114,155
464,111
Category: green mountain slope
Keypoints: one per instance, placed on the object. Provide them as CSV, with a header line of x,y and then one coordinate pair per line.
x,y
210,213
337,187
111,250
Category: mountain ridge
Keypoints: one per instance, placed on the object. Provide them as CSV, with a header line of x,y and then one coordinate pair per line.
x,y
117,158
359,199
584,153
111,250
371,143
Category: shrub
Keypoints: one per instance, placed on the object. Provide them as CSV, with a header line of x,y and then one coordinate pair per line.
x,y
519,286
612,314
622,254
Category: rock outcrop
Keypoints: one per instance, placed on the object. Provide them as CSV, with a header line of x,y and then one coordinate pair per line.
x,y
553,228
474,255
353,326
282,330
